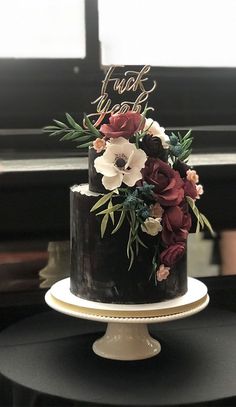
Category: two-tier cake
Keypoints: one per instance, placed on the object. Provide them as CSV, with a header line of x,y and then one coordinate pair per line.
x,y
130,223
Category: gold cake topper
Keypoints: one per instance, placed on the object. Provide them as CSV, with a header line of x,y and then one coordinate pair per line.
x,y
133,81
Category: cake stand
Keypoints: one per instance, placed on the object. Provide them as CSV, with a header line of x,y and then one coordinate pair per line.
x,y
127,336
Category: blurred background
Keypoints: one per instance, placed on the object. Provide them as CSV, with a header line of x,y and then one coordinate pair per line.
x,y
53,57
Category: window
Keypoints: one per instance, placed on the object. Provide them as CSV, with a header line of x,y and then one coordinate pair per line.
x,y
54,52
42,29
50,50
174,33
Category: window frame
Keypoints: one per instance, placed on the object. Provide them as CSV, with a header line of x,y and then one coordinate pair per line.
x,y
34,91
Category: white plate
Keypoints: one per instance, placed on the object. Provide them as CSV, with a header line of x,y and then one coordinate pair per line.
x,y
195,296
74,311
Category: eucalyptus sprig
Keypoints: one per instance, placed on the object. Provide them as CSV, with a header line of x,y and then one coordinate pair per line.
x,y
74,132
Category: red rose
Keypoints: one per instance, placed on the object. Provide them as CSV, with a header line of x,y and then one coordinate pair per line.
x,y
190,189
172,254
168,184
122,125
176,223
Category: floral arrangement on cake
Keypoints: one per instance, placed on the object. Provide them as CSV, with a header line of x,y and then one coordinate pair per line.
x,y
147,169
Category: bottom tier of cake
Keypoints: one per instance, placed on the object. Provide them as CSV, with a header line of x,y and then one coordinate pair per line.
x,y
99,266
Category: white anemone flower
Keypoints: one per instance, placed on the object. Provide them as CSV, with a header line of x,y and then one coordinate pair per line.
x,y
153,128
121,162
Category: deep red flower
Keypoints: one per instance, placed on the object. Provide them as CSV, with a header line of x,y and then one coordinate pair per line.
x,y
190,189
176,223
122,125
168,184
172,254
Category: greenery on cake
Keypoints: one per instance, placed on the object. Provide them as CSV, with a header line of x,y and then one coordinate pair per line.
x,y
148,170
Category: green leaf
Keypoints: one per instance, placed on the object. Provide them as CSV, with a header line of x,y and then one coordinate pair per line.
x,y
113,208
179,136
190,201
110,206
183,156
141,242
104,224
57,133
187,143
91,127
102,201
73,123
60,124
50,128
207,223
129,243
71,135
200,217
187,135
120,222
85,145
80,139
130,252
193,207
198,227
83,139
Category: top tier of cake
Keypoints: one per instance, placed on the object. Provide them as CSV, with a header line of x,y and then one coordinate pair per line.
x,y
95,179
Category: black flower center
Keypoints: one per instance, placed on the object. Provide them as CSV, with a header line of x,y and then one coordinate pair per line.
x,y
120,162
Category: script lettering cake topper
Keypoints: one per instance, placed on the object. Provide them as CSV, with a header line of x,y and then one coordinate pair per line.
x,y
129,83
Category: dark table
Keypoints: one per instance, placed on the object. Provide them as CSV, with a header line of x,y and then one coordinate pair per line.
x,y
47,360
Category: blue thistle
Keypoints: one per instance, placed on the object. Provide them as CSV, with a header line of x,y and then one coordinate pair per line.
x,y
144,213
174,140
176,150
146,190
131,201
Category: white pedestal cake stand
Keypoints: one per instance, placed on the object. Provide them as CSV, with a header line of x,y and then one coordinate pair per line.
x,y
127,336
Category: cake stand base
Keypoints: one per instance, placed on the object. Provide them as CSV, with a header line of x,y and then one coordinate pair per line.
x,y
127,336
126,342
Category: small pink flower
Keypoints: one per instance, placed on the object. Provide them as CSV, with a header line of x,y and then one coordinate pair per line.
x,y
200,191
99,144
163,272
192,176
156,210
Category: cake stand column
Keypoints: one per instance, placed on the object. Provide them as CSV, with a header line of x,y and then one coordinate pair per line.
x,y
126,341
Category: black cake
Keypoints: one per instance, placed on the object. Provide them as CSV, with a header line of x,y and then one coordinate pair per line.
x,y
130,223
99,266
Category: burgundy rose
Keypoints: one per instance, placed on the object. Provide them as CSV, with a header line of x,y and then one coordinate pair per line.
x,y
190,189
176,223
168,185
122,125
153,147
189,186
172,254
